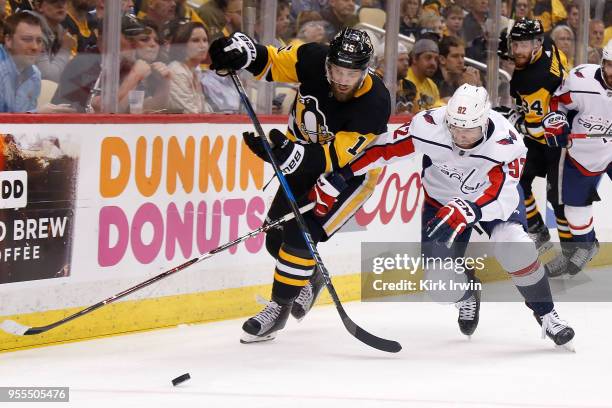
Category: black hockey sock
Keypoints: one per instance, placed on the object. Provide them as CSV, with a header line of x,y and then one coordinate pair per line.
x,y
533,214
532,284
294,267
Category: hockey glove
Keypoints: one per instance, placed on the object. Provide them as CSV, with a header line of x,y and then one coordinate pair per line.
x,y
451,220
252,140
556,129
232,53
515,117
326,191
288,155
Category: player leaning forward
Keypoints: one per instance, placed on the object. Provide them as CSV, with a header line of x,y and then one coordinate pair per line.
x,y
586,98
340,108
471,169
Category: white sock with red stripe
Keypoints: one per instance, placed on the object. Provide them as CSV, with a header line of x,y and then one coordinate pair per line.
x,y
580,221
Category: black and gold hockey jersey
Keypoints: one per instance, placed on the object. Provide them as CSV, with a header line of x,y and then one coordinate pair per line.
x,y
84,31
533,86
333,132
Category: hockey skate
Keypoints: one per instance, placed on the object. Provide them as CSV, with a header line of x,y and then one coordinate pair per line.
x,y
469,311
558,265
582,255
540,235
264,325
308,295
556,329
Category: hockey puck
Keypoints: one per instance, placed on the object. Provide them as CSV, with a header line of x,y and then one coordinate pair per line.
x,y
180,379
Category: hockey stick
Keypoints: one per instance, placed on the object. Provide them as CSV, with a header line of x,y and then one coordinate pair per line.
x,y
573,136
359,333
12,327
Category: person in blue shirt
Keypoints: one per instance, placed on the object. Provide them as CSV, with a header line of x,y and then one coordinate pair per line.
x,y
19,77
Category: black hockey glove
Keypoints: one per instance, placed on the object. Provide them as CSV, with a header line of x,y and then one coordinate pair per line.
x,y
515,117
289,155
232,53
451,220
556,129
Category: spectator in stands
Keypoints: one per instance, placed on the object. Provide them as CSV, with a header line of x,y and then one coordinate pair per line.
x,y
549,12
127,7
188,49
522,9
221,17
453,21
596,33
410,12
57,42
339,14
160,12
431,26
452,71
573,17
82,24
311,31
505,8
157,84
405,96
563,37
184,12
473,24
300,6
80,82
283,22
423,66
19,77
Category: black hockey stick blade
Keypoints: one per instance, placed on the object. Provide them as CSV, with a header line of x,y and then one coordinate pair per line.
x,y
390,346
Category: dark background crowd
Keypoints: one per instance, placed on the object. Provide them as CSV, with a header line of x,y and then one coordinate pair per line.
x,y
50,57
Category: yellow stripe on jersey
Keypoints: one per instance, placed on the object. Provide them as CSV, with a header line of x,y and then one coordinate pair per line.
x,y
295,259
349,144
529,200
354,202
281,64
289,281
365,87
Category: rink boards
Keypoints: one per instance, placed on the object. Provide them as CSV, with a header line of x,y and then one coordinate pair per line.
x,y
137,198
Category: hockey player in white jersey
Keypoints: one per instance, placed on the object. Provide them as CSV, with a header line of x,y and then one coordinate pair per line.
x,y
472,162
583,105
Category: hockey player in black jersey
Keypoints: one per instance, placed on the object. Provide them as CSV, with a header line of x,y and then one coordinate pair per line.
x,y
539,70
339,109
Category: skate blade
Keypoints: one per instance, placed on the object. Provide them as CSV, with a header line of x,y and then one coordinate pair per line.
x,y
569,346
251,338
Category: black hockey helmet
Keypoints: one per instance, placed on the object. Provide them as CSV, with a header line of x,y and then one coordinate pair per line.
x,y
502,47
526,29
351,48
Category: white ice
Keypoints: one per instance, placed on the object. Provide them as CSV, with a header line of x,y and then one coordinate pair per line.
x,y
316,363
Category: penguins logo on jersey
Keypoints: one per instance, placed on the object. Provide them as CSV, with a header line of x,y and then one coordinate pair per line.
x,y
310,120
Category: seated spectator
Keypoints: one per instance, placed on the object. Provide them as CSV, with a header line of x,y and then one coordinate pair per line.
x,y
452,72
300,6
19,77
221,17
405,96
550,13
189,48
82,24
157,84
573,17
474,22
522,9
80,82
453,21
596,34
563,37
431,26
423,66
311,31
159,12
127,7
410,12
339,14
57,42
283,23
505,8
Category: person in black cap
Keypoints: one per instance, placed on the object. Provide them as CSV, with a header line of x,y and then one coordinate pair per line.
x,y
80,83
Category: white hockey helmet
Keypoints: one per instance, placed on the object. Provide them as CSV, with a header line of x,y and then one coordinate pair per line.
x,y
468,108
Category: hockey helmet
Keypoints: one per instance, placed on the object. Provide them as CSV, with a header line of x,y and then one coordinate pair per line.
x,y
607,52
467,115
527,29
351,48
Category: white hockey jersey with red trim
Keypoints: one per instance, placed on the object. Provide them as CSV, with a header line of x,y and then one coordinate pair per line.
x,y
488,175
586,100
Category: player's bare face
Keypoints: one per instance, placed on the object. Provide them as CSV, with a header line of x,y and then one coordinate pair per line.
x,y
606,72
344,81
465,138
522,52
